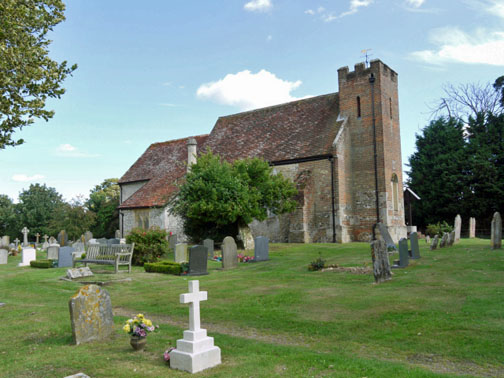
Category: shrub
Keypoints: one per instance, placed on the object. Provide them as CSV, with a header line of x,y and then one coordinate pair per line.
x,y
317,264
167,267
43,264
150,245
438,229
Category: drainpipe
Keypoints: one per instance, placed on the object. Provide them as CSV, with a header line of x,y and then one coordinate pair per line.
x,y
331,159
372,81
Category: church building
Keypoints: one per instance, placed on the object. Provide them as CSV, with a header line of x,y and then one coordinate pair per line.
x,y
342,150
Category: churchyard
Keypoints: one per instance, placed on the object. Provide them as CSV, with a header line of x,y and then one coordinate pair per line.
x,y
440,316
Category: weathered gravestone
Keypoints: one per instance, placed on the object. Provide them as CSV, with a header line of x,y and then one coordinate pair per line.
x,y
451,238
181,255
29,254
496,236
173,241
434,243
25,232
444,240
117,234
5,241
457,228
65,257
209,244
427,239
79,272
63,238
381,264
78,246
101,241
229,253
46,243
198,259
88,235
261,248
53,251
52,240
386,236
472,227
91,315
415,249
3,256
196,351
403,254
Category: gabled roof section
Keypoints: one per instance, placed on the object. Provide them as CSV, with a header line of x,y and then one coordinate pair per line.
x,y
289,131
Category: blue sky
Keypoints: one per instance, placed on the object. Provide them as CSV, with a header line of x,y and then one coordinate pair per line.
x,y
159,70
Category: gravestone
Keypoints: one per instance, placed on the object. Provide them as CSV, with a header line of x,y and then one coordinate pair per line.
x,y
78,246
37,237
46,243
29,254
181,255
117,234
91,315
101,241
427,239
415,249
472,227
229,253
53,251
52,240
196,351
88,235
434,243
381,264
496,232
3,256
5,241
444,240
451,238
113,241
25,232
457,228
261,248
173,241
17,242
93,241
65,257
209,244
79,272
198,259
403,254
63,238
386,236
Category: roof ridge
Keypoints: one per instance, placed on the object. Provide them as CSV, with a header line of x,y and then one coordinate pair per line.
x,y
177,140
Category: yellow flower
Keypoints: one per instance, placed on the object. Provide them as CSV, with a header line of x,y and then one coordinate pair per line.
x,y
127,328
148,323
130,321
140,316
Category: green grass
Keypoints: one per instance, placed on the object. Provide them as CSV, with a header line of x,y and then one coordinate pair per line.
x,y
441,316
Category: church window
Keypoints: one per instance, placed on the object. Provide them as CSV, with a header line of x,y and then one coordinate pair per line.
x,y
395,192
358,107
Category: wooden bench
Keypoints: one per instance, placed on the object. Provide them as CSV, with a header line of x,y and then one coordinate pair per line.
x,y
115,254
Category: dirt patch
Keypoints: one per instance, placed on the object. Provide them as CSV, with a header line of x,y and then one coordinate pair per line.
x,y
348,269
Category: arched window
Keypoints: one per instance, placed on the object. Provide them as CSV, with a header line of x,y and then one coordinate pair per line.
x,y
358,107
395,192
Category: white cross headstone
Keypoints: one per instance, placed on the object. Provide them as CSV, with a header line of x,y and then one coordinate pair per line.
x,y
17,242
196,351
25,232
37,235
45,238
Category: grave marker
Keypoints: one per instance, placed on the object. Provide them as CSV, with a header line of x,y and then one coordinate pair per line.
x,y
451,238
88,235
261,248
181,254
63,238
173,241
25,232
444,240
3,256
65,259
434,243
209,244
386,236
457,228
472,227
229,253
496,236
28,254
17,242
381,264
198,259
415,249
403,254
53,251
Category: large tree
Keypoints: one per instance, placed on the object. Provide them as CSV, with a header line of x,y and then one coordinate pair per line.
x,y
8,219
103,201
74,218
218,197
27,75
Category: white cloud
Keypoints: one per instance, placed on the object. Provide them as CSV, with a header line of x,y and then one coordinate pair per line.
x,y
311,12
415,3
454,45
496,7
248,90
67,150
354,8
269,38
21,177
258,5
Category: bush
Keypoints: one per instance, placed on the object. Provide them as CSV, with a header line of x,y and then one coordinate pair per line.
x,y
43,264
167,267
438,229
150,245
317,264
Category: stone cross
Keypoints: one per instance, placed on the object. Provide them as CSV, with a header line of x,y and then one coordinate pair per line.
x,y
37,235
194,297
25,232
45,238
17,242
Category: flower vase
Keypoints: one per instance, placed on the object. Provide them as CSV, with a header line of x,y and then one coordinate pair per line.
x,y
138,342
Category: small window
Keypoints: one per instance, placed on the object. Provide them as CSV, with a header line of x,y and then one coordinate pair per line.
x,y
395,192
390,106
358,107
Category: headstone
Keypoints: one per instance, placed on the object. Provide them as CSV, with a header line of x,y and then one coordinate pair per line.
x,y
209,244
79,272
63,238
245,235
3,256
496,236
88,235
427,239
261,248
25,232
198,259
17,242
91,315
37,237
229,253
113,241
53,251
386,236
118,234
52,240
434,243
45,238
173,241
444,240
5,241
403,254
45,245
65,257
196,351
93,241
451,238
101,241
472,227
78,246
415,249
181,255
457,228
29,254
381,264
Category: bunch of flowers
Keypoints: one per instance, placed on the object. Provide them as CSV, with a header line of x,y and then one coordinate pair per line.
x,y
217,258
244,258
138,326
166,355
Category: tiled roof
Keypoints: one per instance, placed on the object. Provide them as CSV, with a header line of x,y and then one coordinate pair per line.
x,y
293,130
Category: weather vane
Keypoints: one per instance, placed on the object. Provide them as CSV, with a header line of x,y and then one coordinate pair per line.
x,y
366,55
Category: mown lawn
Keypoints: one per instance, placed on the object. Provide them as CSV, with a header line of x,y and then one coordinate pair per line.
x,y
441,316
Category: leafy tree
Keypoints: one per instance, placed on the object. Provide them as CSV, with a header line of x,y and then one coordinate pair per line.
x,y
103,201
8,220
74,218
499,87
27,75
217,197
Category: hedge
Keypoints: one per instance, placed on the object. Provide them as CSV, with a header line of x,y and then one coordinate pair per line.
x,y
43,264
168,267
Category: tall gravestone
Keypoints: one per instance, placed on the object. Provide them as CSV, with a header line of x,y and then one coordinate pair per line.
x,y
181,255
3,256
457,228
472,227
173,241
25,232
46,243
91,315
88,235
434,243
496,236
209,244
198,260
444,240
381,264
63,238
451,238
415,248
229,253
403,254
53,251
261,248
386,236
65,259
